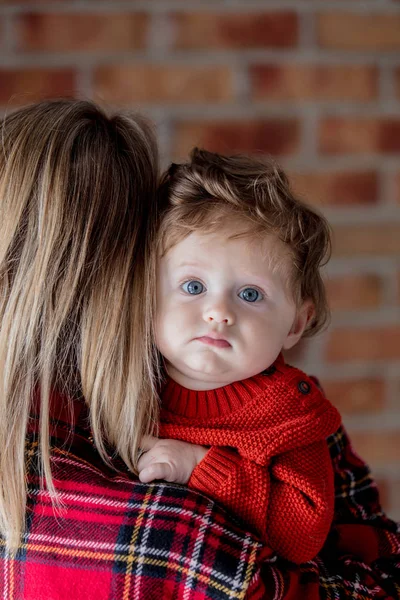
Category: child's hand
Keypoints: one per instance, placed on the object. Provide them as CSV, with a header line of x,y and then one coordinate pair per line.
x,y
171,460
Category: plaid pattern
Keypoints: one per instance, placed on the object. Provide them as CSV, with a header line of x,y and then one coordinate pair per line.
x,y
361,558
115,538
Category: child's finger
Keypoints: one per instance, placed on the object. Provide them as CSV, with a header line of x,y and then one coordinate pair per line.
x,y
145,460
155,471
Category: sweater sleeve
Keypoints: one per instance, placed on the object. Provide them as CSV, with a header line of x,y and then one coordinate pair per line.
x,y
238,484
301,504
292,511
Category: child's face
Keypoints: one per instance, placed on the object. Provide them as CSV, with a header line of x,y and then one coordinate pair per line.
x,y
223,312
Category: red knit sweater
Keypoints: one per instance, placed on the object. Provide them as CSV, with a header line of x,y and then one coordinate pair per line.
x,y
268,460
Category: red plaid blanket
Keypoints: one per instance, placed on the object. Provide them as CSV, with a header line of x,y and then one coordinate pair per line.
x,y
115,538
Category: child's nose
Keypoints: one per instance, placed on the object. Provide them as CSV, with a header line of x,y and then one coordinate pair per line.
x,y
219,313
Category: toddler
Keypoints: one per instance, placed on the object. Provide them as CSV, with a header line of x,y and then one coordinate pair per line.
x,y
238,281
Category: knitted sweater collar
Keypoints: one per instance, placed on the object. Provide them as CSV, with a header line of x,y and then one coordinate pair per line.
x,y
208,404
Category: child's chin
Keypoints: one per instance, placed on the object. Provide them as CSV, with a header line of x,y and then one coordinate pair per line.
x,y
207,363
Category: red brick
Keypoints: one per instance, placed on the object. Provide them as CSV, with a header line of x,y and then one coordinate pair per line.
x,y
22,86
178,84
353,344
356,397
357,136
353,31
238,30
311,82
81,32
278,137
354,292
337,188
372,239
377,448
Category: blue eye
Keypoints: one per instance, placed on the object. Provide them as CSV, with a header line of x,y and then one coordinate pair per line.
x,y
250,295
193,287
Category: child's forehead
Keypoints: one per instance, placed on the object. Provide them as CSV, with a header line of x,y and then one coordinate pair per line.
x,y
240,243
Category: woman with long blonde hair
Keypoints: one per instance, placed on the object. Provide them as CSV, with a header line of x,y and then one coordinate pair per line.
x,y
77,219
73,248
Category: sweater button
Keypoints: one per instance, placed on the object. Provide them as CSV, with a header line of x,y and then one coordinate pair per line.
x,y
304,387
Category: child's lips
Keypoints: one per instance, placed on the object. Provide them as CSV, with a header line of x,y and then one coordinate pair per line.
x,y
219,343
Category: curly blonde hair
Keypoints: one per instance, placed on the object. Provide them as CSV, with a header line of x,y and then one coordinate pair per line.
x,y
211,190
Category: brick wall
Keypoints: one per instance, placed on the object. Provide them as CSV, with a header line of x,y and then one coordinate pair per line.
x,y
317,84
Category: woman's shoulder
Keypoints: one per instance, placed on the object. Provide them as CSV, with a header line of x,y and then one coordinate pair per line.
x,y
113,537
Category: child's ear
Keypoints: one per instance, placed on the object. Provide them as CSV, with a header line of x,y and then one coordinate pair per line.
x,y
303,317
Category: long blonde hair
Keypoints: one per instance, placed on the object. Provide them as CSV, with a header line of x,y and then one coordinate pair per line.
x,y
77,217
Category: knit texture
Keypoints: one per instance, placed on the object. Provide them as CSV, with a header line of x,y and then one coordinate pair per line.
x,y
268,460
